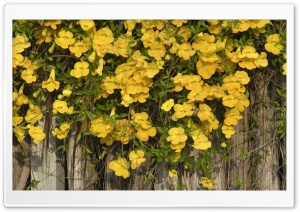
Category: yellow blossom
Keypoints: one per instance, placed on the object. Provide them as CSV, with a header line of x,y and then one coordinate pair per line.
x,y
52,23
20,43
64,39
92,57
273,44
205,113
185,51
62,131
184,32
157,50
129,25
229,100
201,142
186,109
177,137
123,131
232,116
60,106
81,69
37,134
242,102
51,84
149,37
33,114
173,173
139,59
228,131
120,167
223,144
136,158
17,60
103,36
19,133
242,77
78,48
86,25
101,127
179,23
284,69
207,183
206,69
28,76
19,98
166,106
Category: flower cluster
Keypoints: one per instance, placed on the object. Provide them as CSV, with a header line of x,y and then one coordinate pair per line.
x,y
143,127
62,131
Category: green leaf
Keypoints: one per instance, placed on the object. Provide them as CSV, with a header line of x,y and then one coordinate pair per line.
x,y
78,137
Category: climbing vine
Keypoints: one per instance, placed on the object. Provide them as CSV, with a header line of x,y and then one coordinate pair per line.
x,y
158,88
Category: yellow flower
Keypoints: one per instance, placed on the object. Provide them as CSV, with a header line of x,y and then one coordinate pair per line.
x,y
101,127
150,71
19,133
81,69
33,114
186,109
201,142
143,134
60,106
215,92
206,69
64,39
242,102
139,59
44,35
123,44
242,77
123,131
207,183
17,60
232,116
120,167
228,131
231,84
51,84
103,36
184,32
52,23
86,25
173,173
78,48
37,134
167,105
109,84
63,131
205,113
177,137
241,26
136,158
28,76
92,57
175,47
273,44
149,37
284,69
185,51
20,43
215,26
167,36
179,23
16,118
223,144
129,25
229,100
157,50
262,60
19,98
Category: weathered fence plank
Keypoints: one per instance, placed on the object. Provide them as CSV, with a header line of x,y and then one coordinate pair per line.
x,y
47,164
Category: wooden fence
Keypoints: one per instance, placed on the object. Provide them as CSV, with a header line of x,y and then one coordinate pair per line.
x,y
256,159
